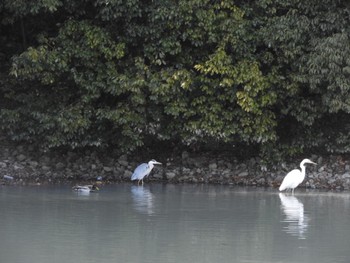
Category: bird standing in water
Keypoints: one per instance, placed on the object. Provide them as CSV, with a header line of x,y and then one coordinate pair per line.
x,y
295,177
143,170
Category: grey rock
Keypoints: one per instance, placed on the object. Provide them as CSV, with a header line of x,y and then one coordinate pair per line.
x,y
226,171
17,166
123,163
127,174
157,175
60,166
243,174
229,165
123,157
319,160
226,176
45,168
107,169
347,167
186,170
183,178
33,164
199,162
314,157
252,162
45,159
170,175
321,169
120,169
3,165
21,157
185,155
311,175
20,148
199,171
261,181
331,181
213,166
83,167
194,180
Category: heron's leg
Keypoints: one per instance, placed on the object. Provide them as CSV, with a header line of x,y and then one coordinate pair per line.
x,y
292,191
142,181
138,182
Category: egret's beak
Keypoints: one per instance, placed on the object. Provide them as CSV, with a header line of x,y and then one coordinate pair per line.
x,y
157,163
313,163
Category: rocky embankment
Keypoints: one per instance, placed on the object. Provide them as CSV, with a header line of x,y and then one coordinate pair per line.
x,y
24,165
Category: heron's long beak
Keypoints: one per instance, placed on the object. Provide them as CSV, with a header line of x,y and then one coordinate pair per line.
x,y
313,163
157,163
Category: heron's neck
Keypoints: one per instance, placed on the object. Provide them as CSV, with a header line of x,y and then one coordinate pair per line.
x,y
150,165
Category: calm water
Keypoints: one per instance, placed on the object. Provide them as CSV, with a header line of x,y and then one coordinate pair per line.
x,y
172,223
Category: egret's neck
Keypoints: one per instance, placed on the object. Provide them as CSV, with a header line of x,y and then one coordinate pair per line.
x,y
150,165
302,167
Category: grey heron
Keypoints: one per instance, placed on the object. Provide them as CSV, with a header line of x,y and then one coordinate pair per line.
x,y
143,170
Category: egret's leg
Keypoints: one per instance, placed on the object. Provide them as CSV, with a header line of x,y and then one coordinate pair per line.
x,y
142,181
138,182
292,191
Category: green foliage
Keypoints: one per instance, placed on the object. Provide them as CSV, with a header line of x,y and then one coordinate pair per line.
x,y
21,8
272,73
304,47
69,76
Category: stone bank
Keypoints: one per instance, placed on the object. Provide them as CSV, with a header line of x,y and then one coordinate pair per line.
x,y
24,165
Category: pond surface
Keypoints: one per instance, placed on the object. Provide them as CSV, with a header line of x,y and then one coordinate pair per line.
x,y
173,223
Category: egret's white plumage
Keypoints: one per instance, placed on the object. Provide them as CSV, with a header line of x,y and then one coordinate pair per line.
x,y
143,170
295,177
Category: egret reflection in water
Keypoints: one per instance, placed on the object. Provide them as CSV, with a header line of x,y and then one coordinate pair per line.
x,y
295,217
143,199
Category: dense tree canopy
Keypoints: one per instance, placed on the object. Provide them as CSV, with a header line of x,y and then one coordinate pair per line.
x,y
271,74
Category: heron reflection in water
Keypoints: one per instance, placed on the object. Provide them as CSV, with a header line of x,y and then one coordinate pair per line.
x,y
295,217
143,199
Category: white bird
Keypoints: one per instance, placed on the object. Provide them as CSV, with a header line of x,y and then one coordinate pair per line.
x,y
295,177
85,188
143,170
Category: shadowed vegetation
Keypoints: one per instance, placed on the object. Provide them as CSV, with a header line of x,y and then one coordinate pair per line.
x,y
268,75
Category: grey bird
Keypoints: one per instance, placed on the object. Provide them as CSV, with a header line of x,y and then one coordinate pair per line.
x,y
143,170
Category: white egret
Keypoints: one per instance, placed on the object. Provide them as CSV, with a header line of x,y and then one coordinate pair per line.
x,y
143,170
295,177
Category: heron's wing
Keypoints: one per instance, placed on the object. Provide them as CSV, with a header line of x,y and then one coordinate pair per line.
x,y
141,171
